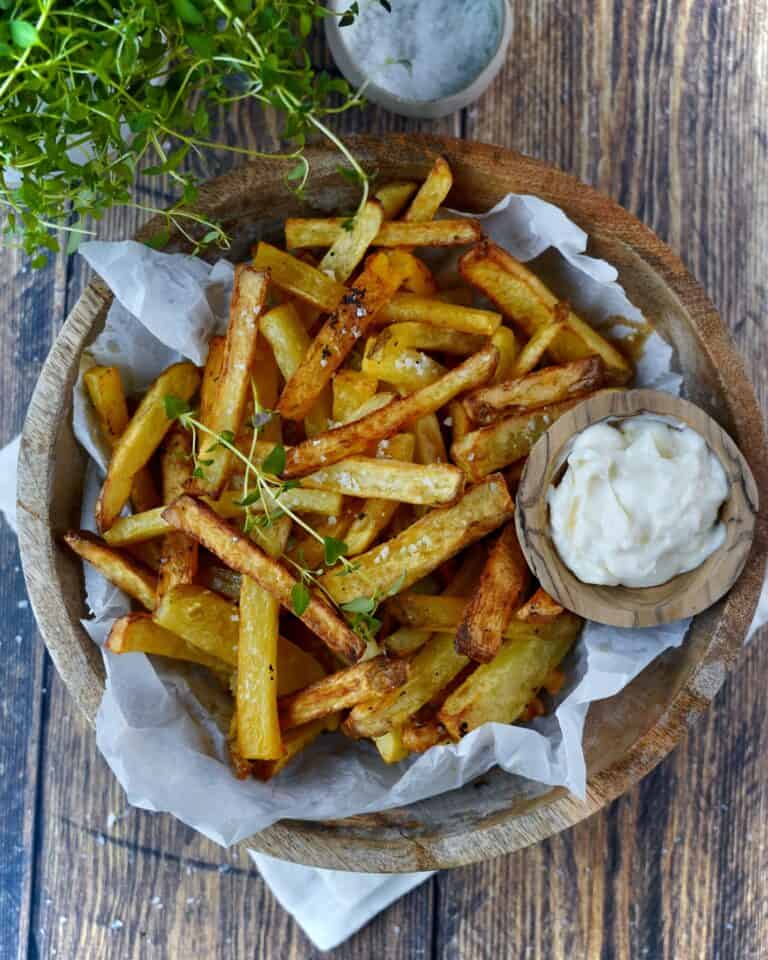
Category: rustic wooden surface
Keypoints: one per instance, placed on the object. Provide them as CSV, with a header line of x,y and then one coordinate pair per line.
x,y
663,107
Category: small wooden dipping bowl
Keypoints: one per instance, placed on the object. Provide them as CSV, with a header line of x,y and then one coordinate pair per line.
x,y
684,595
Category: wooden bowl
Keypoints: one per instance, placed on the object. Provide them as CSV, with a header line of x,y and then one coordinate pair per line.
x,y
682,596
625,736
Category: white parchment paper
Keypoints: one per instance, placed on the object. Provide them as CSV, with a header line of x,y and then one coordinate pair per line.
x,y
162,740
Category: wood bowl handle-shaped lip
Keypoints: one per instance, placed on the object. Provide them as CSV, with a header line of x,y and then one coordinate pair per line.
x,y
684,595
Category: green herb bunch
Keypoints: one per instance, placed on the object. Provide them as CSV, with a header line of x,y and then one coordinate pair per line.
x,y
90,88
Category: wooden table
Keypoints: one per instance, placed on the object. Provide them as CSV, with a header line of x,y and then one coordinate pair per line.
x,y
663,106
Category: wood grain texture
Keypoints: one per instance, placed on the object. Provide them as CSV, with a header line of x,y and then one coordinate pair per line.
x,y
684,595
659,106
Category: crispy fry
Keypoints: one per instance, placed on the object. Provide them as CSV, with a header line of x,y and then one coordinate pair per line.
x,y
354,438
500,690
457,420
119,568
141,438
503,583
541,388
341,690
418,277
430,447
393,196
490,448
374,287
204,619
386,479
294,741
178,560
541,608
395,233
522,296
138,633
351,389
431,193
443,614
426,336
240,351
417,736
409,307
390,747
349,247
214,366
423,546
431,669
299,278
532,353
405,641
202,523
105,389
506,343
405,368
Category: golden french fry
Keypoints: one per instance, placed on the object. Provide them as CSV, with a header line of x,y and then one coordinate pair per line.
x,y
540,388
178,560
351,389
410,307
284,331
137,528
214,366
340,690
394,233
426,336
532,353
506,343
355,437
429,444
138,633
105,389
119,568
407,369
418,277
421,612
503,583
374,287
435,665
233,548
393,196
296,668
435,483
431,193
457,420
299,278
423,546
349,248
405,641
541,608
522,296
501,443
228,408
204,619
391,747
417,736
294,741
500,690
141,438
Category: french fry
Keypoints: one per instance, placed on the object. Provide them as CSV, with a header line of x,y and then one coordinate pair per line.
x,y
432,484
240,351
119,568
178,560
394,233
394,196
296,668
355,437
520,294
141,438
430,195
430,447
540,608
341,690
407,369
294,741
391,747
233,548
405,641
205,620
349,248
423,546
418,277
426,336
408,307
435,665
417,736
374,514
105,389
214,366
506,343
457,420
351,389
299,278
532,353
539,389
501,443
420,612
219,578
503,583
307,550
137,528
374,287
138,633
500,690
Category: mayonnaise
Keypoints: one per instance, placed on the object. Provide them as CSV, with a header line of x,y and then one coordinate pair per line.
x,y
638,503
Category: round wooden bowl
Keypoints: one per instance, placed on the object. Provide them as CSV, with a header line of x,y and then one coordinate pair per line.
x,y
682,596
625,736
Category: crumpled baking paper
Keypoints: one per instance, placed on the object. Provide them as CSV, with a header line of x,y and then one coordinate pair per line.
x,y
162,737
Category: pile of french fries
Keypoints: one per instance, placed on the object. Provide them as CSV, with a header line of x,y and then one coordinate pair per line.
x,y
323,516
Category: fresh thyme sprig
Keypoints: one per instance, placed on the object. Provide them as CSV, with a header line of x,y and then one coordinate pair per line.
x,y
268,488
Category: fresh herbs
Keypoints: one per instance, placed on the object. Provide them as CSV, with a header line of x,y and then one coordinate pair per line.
x,y
90,92
266,493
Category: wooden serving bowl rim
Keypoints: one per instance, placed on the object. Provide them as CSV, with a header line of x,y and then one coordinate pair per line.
x,y
683,596
404,839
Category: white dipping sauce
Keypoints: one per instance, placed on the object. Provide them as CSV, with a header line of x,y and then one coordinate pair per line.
x,y
638,503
